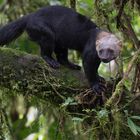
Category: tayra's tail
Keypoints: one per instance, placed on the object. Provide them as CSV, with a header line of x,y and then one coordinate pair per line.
x,y
12,30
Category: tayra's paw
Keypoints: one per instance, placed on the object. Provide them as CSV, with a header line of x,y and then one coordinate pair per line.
x,y
53,63
101,79
73,66
70,65
99,88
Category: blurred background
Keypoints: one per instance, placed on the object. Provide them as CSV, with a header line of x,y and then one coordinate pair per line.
x,y
36,120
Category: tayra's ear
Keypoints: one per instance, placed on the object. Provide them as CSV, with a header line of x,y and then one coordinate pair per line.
x,y
119,44
98,42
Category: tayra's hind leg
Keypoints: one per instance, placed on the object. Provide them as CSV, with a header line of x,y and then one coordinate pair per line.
x,y
45,39
51,61
46,53
62,58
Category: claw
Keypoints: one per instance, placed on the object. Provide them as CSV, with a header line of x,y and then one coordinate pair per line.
x,y
73,66
101,79
99,88
69,64
53,63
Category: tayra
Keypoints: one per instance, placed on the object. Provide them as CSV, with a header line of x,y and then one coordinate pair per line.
x,y
57,29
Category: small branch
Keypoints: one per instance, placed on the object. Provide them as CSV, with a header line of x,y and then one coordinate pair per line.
x,y
131,31
119,88
135,80
132,35
121,7
53,88
3,5
135,97
100,10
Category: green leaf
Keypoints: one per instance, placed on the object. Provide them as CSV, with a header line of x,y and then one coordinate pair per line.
x,y
102,113
67,101
138,128
135,117
132,126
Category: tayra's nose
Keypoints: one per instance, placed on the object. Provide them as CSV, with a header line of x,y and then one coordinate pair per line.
x,y
105,60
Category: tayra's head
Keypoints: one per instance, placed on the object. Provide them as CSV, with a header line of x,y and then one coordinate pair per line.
x,y
108,46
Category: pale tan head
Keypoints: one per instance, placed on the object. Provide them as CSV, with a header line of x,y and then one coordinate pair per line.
x,y
108,46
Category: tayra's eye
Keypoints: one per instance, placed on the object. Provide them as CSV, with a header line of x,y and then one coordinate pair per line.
x,y
110,51
100,52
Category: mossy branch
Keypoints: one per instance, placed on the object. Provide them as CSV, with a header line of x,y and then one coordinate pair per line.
x,y
29,74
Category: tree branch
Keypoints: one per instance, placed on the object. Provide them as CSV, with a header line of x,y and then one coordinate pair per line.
x,y
131,31
120,86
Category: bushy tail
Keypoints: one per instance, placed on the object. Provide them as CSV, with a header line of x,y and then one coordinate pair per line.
x,y
12,30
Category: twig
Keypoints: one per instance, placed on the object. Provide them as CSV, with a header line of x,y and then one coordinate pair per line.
x,y
52,86
121,7
103,13
3,5
136,42
133,99
131,31
134,83
119,88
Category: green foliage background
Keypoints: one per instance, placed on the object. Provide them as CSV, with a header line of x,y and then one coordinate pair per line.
x,y
52,123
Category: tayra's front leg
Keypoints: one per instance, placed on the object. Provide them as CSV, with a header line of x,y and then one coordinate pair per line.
x,y
62,58
98,86
51,61
91,63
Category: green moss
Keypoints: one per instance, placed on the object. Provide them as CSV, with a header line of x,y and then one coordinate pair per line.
x,y
68,78
29,74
